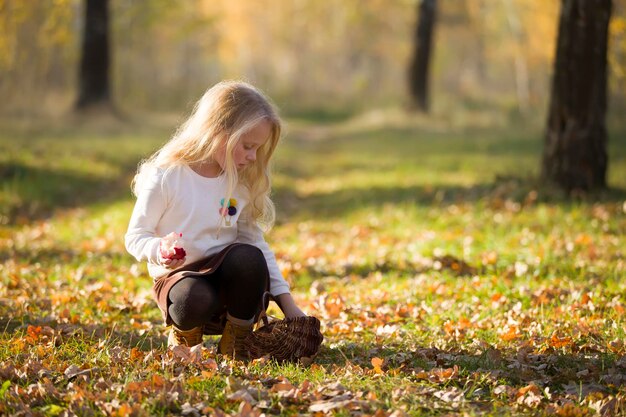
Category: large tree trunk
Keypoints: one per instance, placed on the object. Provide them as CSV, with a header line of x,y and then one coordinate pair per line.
x,y
575,155
94,64
418,71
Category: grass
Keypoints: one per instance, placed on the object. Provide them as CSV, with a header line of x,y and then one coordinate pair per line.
x,y
424,244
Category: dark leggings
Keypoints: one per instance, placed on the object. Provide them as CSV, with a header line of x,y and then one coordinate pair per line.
x,y
238,283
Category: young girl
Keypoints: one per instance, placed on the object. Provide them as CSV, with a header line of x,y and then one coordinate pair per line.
x,y
201,200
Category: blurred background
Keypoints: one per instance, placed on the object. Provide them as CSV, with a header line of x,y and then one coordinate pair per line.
x,y
331,58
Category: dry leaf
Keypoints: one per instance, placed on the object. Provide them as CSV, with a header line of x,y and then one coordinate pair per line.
x,y
377,363
242,395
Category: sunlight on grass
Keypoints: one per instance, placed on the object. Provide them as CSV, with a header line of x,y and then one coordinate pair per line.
x,y
430,250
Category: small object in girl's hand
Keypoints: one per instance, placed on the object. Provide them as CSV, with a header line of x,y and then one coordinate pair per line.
x,y
172,246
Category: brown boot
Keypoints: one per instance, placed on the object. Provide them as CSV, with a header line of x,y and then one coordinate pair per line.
x,y
232,341
189,337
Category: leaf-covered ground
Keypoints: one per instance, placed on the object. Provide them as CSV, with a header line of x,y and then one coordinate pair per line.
x,y
447,280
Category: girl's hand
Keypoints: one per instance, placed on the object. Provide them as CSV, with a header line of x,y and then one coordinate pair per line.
x,y
171,263
288,306
171,253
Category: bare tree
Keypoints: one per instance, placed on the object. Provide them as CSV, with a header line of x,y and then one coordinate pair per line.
x,y
419,67
575,155
95,58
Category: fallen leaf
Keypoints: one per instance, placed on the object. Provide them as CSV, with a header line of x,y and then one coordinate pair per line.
x,y
453,396
282,386
242,395
377,363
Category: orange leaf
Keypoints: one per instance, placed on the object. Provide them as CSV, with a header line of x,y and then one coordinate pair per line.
x,y
380,413
134,387
583,239
532,388
136,354
377,363
559,342
496,297
421,375
124,410
443,374
282,386
511,334
158,381
32,334
334,304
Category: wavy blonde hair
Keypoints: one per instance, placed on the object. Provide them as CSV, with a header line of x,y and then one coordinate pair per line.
x,y
225,112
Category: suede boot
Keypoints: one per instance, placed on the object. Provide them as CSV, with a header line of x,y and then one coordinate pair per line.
x,y
189,337
233,340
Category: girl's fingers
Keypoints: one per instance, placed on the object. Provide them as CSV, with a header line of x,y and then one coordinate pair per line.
x,y
174,263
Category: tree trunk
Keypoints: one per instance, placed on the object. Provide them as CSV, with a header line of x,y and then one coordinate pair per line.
x,y
574,155
418,71
95,59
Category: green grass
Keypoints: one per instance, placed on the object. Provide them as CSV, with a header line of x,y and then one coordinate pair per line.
x,y
426,244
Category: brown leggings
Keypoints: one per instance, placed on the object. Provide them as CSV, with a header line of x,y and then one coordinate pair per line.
x,y
238,284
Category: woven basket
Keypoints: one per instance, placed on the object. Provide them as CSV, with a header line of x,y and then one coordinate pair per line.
x,y
296,339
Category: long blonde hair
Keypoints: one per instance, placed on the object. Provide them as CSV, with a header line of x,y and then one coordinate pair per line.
x,y
225,112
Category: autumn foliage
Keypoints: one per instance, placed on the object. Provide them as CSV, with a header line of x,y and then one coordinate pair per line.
x,y
442,289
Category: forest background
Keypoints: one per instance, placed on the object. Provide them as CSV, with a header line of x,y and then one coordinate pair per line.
x,y
334,56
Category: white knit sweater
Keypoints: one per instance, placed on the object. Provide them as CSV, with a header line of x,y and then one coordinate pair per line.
x,y
182,201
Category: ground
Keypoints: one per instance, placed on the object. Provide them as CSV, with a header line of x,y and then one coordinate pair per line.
x,y
448,279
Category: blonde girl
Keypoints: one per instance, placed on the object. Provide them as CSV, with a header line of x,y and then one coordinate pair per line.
x,y
202,206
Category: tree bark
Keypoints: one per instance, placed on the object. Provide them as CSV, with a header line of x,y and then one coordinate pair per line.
x,y
575,155
419,67
95,58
